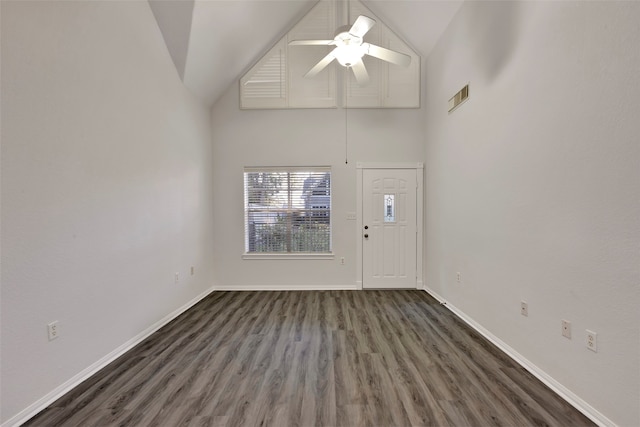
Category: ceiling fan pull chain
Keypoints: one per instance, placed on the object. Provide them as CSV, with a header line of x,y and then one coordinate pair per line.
x,y
346,121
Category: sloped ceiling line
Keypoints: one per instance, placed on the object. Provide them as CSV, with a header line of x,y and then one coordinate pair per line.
x,y
213,42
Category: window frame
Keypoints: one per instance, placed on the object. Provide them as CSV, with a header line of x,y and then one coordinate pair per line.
x,y
286,255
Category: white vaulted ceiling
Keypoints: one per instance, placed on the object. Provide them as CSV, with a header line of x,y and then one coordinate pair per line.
x,y
213,42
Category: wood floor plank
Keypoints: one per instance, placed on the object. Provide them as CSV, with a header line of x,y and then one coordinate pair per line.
x,y
316,358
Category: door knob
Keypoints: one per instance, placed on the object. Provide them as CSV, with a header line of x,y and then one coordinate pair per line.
x,y
366,236
366,227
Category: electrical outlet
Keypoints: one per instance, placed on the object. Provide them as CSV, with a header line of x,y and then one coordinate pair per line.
x,y
592,341
459,277
524,308
53,330
566,329
342,261
177,277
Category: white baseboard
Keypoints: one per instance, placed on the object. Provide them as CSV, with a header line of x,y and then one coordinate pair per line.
x,y
259,287
55,394
574,400
33,409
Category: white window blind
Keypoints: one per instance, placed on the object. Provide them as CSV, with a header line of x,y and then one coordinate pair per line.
x,y
287,210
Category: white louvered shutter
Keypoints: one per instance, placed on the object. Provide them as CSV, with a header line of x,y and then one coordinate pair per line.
x,y
265,85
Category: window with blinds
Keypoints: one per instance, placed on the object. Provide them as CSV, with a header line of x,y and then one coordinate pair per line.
x,y
287,210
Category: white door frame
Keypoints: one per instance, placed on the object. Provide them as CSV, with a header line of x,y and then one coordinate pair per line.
x,y
419,168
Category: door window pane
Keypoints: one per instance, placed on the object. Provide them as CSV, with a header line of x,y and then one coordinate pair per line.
x,y
389,208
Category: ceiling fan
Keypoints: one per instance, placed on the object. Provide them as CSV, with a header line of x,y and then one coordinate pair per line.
x,y
350,48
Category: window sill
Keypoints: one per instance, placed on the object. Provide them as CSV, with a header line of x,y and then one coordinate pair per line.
x,y
305,256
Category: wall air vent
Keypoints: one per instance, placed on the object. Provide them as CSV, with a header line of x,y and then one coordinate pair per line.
x,y
459,98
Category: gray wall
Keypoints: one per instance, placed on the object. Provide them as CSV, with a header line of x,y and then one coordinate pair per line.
x,y
314,137
532,187
106,189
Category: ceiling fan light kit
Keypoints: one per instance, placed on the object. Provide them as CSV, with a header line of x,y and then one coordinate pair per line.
x,y
349,55
350,48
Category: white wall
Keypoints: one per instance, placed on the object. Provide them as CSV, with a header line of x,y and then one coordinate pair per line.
x,y
106,188
313,137
532,187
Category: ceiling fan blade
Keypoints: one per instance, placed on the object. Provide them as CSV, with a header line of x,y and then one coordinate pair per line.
x,y
360,71
362,26
311,42
321,65
387,55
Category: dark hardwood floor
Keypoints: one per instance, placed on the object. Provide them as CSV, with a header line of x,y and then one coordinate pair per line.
x,y
315,358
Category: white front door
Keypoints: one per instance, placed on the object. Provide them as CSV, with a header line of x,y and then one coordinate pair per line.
x,y
389,228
